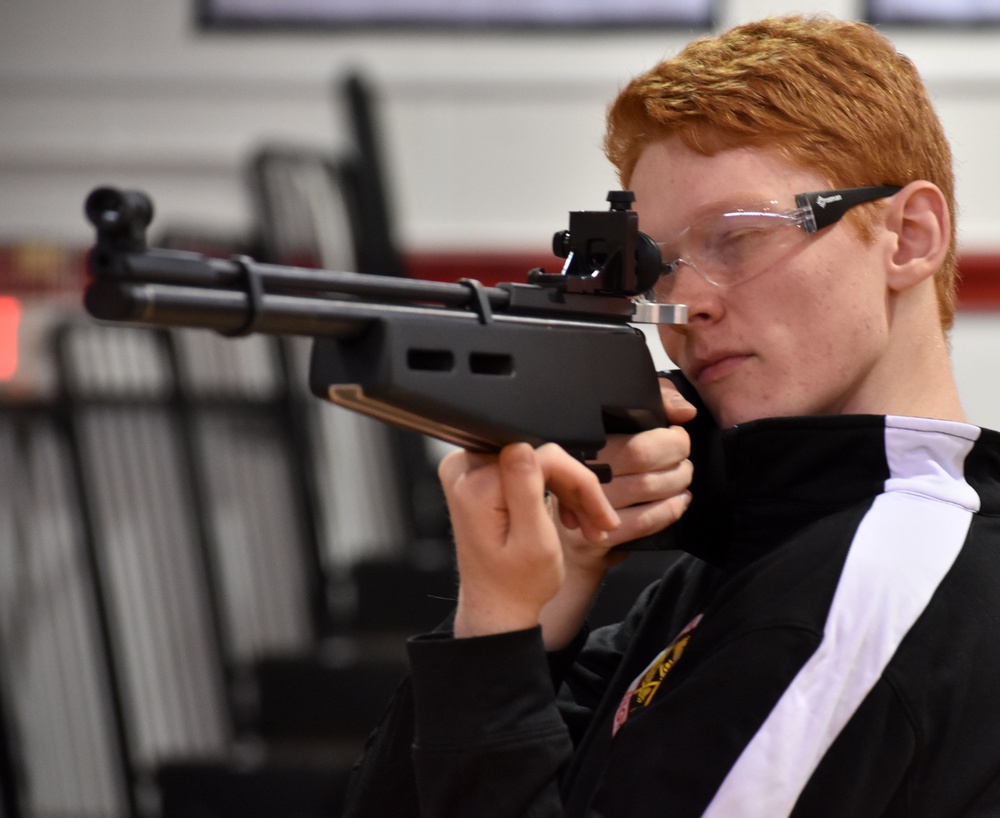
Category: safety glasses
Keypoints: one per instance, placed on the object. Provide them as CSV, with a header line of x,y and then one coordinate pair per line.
x,y
736,245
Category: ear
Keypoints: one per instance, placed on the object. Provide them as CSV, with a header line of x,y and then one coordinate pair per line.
x,y
919,227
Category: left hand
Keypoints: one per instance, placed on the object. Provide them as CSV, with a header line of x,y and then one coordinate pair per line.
x,y
508,547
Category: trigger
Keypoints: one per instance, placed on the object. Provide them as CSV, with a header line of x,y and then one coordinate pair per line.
x,y
602,470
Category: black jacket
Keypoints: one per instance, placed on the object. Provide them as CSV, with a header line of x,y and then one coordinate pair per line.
x,y
839,655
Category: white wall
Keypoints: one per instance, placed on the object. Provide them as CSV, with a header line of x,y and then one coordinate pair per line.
x,y
490,138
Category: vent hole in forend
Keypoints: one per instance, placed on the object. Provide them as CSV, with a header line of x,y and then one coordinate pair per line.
x,y
488,363
430,360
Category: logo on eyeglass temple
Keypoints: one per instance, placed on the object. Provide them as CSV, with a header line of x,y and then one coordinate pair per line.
x,y
823,201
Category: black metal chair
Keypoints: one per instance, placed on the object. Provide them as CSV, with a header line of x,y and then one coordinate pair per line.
x,y
58,739
175,502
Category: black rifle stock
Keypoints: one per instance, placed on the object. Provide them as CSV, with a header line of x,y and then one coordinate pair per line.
x,y
551,360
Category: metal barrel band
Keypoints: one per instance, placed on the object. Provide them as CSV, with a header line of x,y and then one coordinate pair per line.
x,y
253,286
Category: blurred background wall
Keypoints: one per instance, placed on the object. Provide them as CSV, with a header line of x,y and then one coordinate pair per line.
x,y
489,138
271,588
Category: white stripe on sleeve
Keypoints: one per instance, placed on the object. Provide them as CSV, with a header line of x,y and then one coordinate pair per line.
x,y
902,550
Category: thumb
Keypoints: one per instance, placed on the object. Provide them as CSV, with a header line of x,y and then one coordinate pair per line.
x,y
679,409
523,485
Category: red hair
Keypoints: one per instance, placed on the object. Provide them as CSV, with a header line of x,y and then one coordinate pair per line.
x,y
830,95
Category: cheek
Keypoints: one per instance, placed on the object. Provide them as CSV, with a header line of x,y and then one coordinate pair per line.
x,y
831,302
828,346
810,336
670,340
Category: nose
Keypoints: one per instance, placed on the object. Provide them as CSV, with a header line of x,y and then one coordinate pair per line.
x,y
687,285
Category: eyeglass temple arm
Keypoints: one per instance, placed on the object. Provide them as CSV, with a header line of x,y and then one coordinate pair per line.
x,y
825,207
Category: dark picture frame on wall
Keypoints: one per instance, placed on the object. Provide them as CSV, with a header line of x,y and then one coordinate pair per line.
x,y
934,12
546,15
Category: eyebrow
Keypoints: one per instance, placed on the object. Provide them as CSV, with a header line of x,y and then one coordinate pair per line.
x,y
742,201
728,204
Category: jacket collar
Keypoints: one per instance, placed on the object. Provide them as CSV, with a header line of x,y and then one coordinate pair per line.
x,y
757,483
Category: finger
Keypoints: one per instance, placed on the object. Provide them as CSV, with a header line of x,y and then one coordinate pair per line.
x,y
474,498
679,409
652,450
581,498
524,489
650,486
647,518
567,517
454,465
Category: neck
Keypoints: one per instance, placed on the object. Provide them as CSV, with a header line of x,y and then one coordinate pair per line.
x,y
915,375
929,390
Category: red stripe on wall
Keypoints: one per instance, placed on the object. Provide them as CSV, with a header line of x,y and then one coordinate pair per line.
x,y
979,282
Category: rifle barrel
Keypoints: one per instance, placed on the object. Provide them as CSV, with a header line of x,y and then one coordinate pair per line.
x,y
231,311
159,266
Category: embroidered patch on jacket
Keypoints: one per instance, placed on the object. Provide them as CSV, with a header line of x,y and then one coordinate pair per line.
x,y
646,685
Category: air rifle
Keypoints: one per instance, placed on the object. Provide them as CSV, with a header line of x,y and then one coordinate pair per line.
x,y
551,360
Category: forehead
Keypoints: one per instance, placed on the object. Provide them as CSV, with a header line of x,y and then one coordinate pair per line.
x,y
674,185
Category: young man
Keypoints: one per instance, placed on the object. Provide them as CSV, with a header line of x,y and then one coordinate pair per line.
x,y
830,649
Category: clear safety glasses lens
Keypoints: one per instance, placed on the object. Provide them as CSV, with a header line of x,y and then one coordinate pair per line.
x,y
730,248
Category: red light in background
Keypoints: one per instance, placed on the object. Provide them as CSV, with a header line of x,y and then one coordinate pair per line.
x,y
10,317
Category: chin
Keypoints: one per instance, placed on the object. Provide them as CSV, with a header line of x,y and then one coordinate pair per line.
x,y
733,415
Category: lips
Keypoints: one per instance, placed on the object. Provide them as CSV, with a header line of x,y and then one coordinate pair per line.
x,y
711,368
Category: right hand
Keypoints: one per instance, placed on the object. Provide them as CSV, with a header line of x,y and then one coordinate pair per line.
x,y
651,474
649,491
516,558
